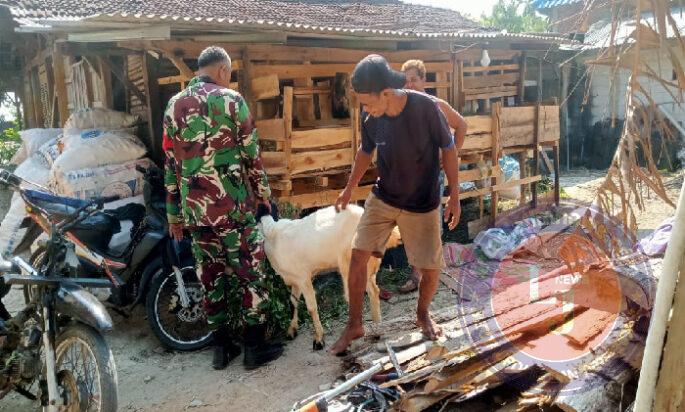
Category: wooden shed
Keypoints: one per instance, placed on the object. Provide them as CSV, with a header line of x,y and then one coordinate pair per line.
x,y
291,60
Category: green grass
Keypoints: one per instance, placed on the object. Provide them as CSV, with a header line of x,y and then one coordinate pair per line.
x,y
331,300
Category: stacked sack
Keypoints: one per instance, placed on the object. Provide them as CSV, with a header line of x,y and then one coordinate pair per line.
x,y
31,169
95,155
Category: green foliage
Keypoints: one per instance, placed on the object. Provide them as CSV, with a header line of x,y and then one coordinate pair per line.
x,y
288,211
515,16
10,142
545,185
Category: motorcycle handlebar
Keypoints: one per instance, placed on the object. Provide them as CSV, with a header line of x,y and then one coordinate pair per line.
x,y
100,201
6,267
9,178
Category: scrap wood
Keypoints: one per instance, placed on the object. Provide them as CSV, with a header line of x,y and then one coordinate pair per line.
x,y
508,371
539,395
599,390
588,325
460,374
481,380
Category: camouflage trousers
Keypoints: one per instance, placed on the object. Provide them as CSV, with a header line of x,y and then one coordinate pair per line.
x,y
231,266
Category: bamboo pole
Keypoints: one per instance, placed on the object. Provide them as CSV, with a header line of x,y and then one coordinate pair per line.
x,y
662,307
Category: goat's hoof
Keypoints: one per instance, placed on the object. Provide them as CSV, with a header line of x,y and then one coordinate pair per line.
x,y
318,345
292,334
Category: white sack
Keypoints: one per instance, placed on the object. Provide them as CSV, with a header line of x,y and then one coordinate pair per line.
x,y
95,148
99,118
121,180
47,154
33,139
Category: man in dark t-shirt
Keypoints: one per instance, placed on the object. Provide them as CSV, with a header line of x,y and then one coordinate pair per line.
x,y
408,131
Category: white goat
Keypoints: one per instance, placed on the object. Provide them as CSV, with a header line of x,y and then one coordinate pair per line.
x,y
300,249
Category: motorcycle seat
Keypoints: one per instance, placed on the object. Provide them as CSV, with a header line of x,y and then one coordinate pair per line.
x,y
94,231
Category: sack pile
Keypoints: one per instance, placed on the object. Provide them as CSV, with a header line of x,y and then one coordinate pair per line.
x,y
95,155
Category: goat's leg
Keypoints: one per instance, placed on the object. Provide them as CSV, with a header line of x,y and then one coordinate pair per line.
x,y
310,300
344,268
373,290
295,294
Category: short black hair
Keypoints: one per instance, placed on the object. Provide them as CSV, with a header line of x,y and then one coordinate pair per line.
x,y
212,55
373,75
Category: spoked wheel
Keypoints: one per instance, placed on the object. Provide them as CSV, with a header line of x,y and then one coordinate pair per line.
x,y
86,373
176,326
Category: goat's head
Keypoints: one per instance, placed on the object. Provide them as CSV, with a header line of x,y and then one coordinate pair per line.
x,y
262,211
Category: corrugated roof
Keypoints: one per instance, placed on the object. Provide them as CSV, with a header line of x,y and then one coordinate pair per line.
x,y
599,34
548,4
368,18
382,15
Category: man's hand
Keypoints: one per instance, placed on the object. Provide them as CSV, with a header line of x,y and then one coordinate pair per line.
x,y
176,231
453,208
343,199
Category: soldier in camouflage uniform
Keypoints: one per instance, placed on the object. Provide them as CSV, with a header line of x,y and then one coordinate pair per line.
x,y
212,167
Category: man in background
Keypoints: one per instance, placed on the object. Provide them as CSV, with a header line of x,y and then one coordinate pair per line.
x,y
415,71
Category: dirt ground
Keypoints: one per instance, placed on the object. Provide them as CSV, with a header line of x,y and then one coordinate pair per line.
x,y
153,379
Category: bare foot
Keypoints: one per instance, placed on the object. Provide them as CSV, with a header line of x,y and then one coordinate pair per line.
x,y
429,328
348,335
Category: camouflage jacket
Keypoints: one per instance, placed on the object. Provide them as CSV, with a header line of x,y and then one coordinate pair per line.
x,y
209,138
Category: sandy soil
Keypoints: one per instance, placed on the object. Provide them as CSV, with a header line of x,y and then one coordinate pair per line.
x,y
153,379
583,184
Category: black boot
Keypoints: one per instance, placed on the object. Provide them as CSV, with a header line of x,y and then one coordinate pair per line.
x,y
225,349
258,351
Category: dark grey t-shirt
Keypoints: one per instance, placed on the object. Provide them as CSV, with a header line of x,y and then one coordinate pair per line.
x,y
408,148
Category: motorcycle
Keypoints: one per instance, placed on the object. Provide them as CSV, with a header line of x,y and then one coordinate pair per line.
x,y
52,351
152,269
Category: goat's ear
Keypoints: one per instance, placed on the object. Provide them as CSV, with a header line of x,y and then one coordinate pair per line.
x,y
262,211
274,211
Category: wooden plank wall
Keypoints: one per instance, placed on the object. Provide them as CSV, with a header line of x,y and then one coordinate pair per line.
x,y
294,92
497,81
134,72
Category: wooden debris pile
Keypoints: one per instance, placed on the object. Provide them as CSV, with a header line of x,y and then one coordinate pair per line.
x,y
571,337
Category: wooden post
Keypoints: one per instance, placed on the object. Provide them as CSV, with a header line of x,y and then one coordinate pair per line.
x,y
29,102
60,84
557,168
106,76
494,198
523,65
669,386
244,77
536,155
654,346
288,100
523,158
154,106
38,102
355,123
536,138
454,97
461,98
441,77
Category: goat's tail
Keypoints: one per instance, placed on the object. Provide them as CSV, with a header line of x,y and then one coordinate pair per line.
x,y
395,239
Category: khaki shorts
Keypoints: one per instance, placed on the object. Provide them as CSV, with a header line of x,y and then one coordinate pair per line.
x,y
420,232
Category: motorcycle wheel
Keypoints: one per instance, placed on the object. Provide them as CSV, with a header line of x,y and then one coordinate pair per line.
x,y
178,328
86,373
